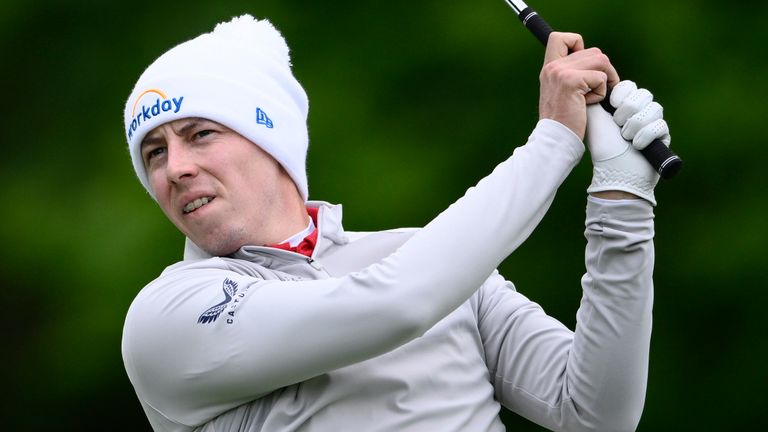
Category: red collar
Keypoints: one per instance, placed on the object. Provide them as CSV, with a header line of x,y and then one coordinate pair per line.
x,y
306,246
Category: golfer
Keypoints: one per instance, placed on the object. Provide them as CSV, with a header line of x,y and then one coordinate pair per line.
x,y
280,319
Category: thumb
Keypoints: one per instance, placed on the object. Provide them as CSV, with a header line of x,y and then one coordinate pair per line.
x,y
603,135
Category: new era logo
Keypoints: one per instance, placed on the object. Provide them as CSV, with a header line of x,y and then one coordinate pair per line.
x,y
263,119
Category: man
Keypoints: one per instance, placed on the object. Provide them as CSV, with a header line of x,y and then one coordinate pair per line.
x,y
278,319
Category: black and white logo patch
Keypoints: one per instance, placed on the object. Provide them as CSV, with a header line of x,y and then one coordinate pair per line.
x,y
230,289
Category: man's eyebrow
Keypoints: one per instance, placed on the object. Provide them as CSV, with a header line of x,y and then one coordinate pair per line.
x,y
193,122
150,139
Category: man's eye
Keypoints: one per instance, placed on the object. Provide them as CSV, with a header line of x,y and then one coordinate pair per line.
x,y
157,151
203,133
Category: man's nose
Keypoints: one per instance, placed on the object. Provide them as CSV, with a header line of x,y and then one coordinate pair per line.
x,y
180,162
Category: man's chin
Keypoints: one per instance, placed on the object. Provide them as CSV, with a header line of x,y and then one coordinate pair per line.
x,y
224,244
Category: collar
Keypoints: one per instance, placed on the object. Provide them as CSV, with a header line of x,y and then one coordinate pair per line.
x,y
297,238
329,232
304,241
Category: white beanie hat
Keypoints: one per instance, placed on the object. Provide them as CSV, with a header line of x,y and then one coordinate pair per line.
x,y
239,75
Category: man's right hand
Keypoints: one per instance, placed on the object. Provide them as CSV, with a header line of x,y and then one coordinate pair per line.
x,y
573,77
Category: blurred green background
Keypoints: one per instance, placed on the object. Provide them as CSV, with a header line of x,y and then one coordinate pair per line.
x,y
411,102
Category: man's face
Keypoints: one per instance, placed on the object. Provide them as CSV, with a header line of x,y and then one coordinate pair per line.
x,y
218,188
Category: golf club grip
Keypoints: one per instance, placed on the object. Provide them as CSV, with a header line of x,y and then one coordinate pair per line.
x,y
536,24
661,157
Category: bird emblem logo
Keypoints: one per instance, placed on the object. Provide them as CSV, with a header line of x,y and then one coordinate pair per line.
x,y
230,289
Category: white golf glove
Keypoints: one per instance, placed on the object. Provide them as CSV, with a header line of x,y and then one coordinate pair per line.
x,y
614,141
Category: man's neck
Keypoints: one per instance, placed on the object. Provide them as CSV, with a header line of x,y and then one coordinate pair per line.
x,y
299,236
304,241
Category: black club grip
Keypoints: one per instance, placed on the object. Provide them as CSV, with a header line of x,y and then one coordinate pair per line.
x,y
663,160
536,24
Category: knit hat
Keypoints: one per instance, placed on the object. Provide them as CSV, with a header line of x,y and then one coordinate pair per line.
x,y
239,75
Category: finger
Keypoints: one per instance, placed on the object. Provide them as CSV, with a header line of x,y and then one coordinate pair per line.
x,y
613,75
632,104
593,58
656,130
593,86
560,45
620,91
652,112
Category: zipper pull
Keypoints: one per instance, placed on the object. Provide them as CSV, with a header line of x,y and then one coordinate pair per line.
x,y
315,265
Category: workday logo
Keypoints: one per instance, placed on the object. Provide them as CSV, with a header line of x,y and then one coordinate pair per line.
x,y
149,108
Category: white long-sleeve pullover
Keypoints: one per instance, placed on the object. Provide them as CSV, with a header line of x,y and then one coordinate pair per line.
x,y
404,330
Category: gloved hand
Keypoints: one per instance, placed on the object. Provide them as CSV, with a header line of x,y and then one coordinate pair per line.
x,y
616,160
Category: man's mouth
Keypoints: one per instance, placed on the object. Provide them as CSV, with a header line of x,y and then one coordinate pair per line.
x,y
196,204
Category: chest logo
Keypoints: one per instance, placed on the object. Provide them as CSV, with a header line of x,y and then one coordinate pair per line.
x,y
230,289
